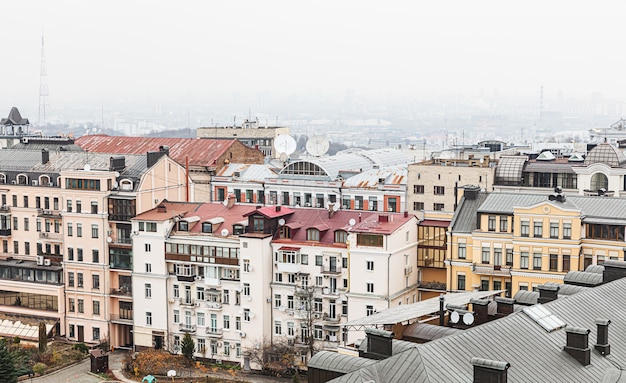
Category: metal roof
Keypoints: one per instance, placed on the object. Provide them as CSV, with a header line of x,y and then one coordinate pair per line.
x,y
332,361
14,118
534,354
605,153
427,331
395,175
248,172
411,312
464,218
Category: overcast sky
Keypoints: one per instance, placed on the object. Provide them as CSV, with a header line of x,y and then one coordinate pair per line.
x,y
102,50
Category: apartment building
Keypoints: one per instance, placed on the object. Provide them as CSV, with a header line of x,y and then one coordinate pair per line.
x,y
64,217
234,276
517,242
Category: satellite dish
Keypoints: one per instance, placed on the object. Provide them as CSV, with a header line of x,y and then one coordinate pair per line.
x,y
117,174
285,144
225,202
482,160
224,232
468,318
317,146
87,167
454,317
336,206
171,373
352,222
109,239
281,222
283,157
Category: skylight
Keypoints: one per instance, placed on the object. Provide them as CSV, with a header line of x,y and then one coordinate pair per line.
x,y
544,318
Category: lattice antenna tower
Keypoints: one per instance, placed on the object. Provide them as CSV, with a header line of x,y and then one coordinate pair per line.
x,y
43,86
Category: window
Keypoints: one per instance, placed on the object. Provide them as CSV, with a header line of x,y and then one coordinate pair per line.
x,y
317,305
79,280
554,262
523,264
554,230
200,319
438,207
536,261
497,285
439,190
79,229
418,205
237,323
38,202
278,277
95,256
81,306
94,207
418,189
16,247
373,204
372,240
462,251
246,289
70,229
523,286
486,255
497,256
484,284
183,226
147,248
94,231
96,307
537,229
341,236
370,265
72,305
509,257
176,316
369,310
565,263
27,248
304,259
318,333
370,287
460,282
79,255
148,290
26,224
278,327
290,301
291,331
567,231
15,223
318,260
246,315
312,235
70,254
491,223
226,322
25,201
525,228
246,265
79,206
504,223
95,281
70,279
148,318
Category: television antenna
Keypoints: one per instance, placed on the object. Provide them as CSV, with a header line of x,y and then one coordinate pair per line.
x,y
317,146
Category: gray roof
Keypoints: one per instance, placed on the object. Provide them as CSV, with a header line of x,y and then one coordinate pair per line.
x,y
535,354
332,361
427,331
464,219
14,118
526,297
582,278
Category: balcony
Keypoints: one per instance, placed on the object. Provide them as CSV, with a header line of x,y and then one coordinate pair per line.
x,y
186,278
123,291
5,232
48,213
214,332
189,303
120,261
5,209
330,292
285,267
122,318
332,320
187,328
329,269
496,270
438,286
48,235
213,305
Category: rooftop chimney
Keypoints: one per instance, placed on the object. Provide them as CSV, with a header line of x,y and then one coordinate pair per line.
x,y
153,157
614,270
578,344
481,308
45,156
548,293
505,306
230,201
278,208
161,208
602,340
471,192
383,218
379,344
489,371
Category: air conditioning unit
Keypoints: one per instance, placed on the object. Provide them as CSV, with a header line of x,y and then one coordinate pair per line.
x,y
219,344
51,184
40,259
197,304
408,270
46,262
316,316
242,334
232,345
34,182
171,301
14,182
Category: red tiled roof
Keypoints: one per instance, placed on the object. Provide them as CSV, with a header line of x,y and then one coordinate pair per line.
x,y
201,151
434,222
273,212
289,248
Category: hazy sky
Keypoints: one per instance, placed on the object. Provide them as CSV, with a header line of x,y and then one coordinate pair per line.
x,y
103,50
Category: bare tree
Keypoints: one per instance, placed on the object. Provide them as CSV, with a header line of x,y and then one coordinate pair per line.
x,y
308,309
276,358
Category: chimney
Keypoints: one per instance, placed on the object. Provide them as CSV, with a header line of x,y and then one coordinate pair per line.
x,y
489,371
161,208
153,157
602,340
471,192
231,199
383,218
406,214
548,293
505,306
277,208
45,156
331,211
481,308
613,270
117,163
379,344
578,344
164,149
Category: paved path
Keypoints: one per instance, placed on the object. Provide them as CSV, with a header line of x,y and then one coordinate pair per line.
x,y
76,373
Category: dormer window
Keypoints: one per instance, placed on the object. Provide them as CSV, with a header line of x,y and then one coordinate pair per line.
x,y
183,226
3,178
284,232
312,235
207,227
238,229
22,179
341,236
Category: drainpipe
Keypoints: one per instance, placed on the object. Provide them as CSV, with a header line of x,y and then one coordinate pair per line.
x,y
187,176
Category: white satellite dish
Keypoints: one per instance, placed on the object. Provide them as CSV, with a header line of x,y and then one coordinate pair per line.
x,y
109,239
285,144
352,222
454,317
225,202
171,373
87,167
224,232
317,146
281,222
336,206
468,318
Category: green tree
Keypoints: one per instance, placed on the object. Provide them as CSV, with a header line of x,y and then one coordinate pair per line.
x,y
187,346
7,364
43,337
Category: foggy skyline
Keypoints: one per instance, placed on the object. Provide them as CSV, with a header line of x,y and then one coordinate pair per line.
x,y
99,52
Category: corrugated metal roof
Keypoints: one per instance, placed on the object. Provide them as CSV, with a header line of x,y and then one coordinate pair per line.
x,y
332,361
396,175
427,331
535,355
248,172
464,218
200,151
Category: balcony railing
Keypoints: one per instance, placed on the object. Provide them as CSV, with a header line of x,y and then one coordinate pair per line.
x,y
214,332
497,270
186,278
122,318
5,208
125,291
440,286
187,328
327,269
5,232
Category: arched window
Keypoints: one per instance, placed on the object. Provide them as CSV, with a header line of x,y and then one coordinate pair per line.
x,y
599,181
3,178
44,180
312,235
22,179
126,184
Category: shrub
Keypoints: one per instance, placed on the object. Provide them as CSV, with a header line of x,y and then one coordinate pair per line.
x,y
39,368
81,347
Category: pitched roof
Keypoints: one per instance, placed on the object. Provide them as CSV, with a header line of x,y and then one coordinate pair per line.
x,y
200,151
535,354
14,118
